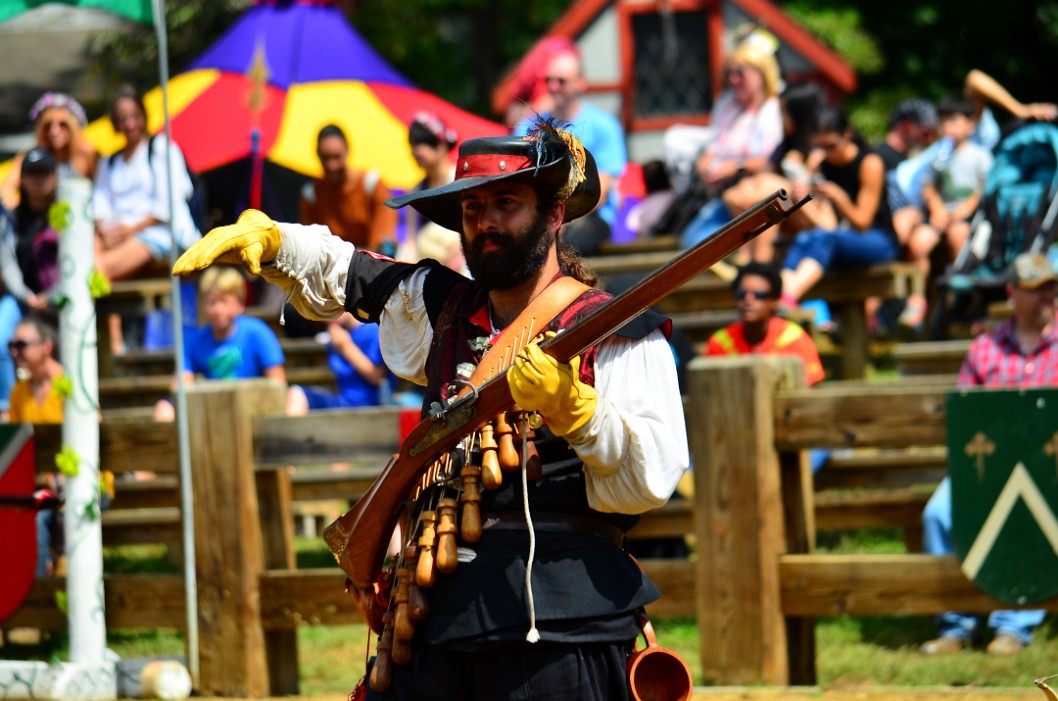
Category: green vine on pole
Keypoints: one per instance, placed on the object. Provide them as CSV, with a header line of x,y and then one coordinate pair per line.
x,y
98,285
59,217
63,386
68,461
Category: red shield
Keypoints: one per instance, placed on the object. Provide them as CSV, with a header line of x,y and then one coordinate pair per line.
x,y
18,545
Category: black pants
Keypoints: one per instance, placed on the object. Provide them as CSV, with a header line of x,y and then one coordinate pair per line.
x,y
543,671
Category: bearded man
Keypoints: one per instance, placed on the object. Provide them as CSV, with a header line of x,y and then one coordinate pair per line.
x,y
544,604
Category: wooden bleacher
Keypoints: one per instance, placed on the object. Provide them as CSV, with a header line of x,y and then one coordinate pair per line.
x,y
845,292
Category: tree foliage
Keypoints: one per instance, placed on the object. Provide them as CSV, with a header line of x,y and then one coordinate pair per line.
x,y
460,49
927,47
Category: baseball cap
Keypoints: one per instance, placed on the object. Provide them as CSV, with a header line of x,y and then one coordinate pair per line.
x,y
39,159
920,111
1030,270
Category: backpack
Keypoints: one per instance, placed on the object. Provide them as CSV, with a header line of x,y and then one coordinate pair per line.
x,y
197,203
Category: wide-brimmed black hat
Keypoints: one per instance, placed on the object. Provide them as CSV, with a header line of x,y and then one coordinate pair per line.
x,y
552,161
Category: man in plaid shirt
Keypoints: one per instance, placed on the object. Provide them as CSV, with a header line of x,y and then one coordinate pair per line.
x,y
1022,352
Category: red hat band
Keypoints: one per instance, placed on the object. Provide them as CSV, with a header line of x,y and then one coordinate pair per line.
x,y
489,164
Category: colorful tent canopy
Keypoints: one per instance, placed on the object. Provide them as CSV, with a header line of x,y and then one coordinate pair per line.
x,y
275,78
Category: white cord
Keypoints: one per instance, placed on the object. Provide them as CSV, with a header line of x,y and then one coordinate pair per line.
x,y
533,635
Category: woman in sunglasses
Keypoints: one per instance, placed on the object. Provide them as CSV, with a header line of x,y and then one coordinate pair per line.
x,y
852,179
58,120
747,119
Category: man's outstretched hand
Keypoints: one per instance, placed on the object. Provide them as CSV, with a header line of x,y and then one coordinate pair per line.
x,y
253,239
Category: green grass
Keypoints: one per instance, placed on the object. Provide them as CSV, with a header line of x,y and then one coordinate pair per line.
x,y
850,650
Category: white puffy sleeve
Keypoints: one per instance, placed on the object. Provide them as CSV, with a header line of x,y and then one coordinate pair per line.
x,y
634,448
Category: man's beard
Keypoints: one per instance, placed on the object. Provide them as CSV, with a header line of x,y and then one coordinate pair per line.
x,y
522,256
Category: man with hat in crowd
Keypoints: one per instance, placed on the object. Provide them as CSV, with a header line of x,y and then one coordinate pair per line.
x,y
544,604
1020,352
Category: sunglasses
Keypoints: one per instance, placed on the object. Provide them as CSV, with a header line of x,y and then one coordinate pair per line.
x,y
20,345
760,295
558,80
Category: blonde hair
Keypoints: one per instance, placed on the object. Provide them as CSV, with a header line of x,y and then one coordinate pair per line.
x,y
61,112
759,57
223,279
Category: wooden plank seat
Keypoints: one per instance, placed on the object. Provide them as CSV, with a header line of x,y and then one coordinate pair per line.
x,y
145,390
844,291
666,242
299,352
930,357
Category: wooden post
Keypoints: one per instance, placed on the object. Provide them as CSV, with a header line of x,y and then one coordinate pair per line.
x,y
228,544
798,498
854,352
740,524
275,496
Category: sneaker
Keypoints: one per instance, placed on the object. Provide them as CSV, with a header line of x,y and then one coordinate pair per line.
x,y
914,314
1005,645
944,645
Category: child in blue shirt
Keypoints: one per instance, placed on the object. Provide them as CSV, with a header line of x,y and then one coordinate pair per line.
x,y
355,357
229,346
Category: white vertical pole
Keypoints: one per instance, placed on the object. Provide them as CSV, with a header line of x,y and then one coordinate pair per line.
x,y
80,428
187,508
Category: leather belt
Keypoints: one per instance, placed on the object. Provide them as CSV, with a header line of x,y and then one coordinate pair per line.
x,y
554,522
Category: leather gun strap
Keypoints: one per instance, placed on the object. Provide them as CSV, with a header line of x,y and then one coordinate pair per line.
x,y
548,304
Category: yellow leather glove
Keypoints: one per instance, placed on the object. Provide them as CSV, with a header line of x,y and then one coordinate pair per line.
x,y
250,240
540,383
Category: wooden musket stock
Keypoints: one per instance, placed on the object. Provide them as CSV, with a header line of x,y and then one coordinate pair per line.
x,y
359,538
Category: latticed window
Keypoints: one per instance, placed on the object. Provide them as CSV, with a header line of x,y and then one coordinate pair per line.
x,y
671,64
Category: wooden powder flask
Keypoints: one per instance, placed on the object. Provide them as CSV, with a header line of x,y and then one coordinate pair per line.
x,y
447,556
382,670
403,629
491,477
418,607
470,498
426,571
510,458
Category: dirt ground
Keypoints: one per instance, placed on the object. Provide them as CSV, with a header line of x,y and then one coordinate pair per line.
x,y
817,694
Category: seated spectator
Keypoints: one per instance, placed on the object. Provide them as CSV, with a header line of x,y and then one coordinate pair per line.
x,y
36,399
852,180
355,357
229,346
442,245
800,105
905,181
599,132
29,254
1021,352
952,191
757,289
528,93
131,201
352,203
58,121
984,91
431,142
746,122
912,125
659,195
